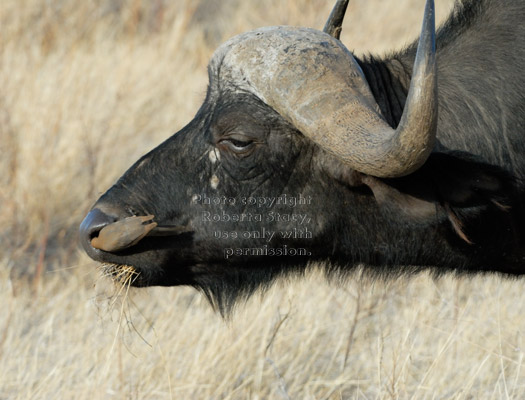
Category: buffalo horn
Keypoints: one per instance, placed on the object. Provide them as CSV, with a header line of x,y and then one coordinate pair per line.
x,y
314,82
378,149
334,24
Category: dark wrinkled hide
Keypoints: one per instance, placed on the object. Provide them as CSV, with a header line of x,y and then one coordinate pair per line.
x,y
461,211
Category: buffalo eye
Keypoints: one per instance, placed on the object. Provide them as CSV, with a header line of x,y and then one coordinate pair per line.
x,y
238,145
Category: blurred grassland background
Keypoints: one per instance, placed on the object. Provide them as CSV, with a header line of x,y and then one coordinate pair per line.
x,y
85,89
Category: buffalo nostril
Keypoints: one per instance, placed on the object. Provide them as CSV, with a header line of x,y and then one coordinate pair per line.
x,y
92,225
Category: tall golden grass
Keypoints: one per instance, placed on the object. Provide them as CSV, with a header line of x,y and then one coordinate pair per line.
x,y
85,89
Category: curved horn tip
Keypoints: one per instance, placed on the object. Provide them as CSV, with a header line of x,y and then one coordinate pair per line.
x,y
412,142
417,129
334,24
426,48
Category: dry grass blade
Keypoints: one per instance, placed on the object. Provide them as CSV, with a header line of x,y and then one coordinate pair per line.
x,y
122,278
123,275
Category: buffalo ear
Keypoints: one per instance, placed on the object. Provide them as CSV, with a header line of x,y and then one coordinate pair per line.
x,y
451,186
461,180
455,185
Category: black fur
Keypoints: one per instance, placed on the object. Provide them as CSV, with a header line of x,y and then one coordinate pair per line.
x,y
462,211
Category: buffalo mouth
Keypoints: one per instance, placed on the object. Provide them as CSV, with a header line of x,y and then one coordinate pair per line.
x,y
132,249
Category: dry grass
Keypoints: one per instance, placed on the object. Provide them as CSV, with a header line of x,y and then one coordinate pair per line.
x,y
87,87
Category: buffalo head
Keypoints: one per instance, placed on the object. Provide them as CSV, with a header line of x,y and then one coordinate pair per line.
x,y
287,162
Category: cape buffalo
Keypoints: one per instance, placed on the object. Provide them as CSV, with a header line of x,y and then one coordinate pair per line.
x,y
304,154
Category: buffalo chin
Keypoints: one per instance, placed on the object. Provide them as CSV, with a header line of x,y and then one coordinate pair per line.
x,y
129,275
126,275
